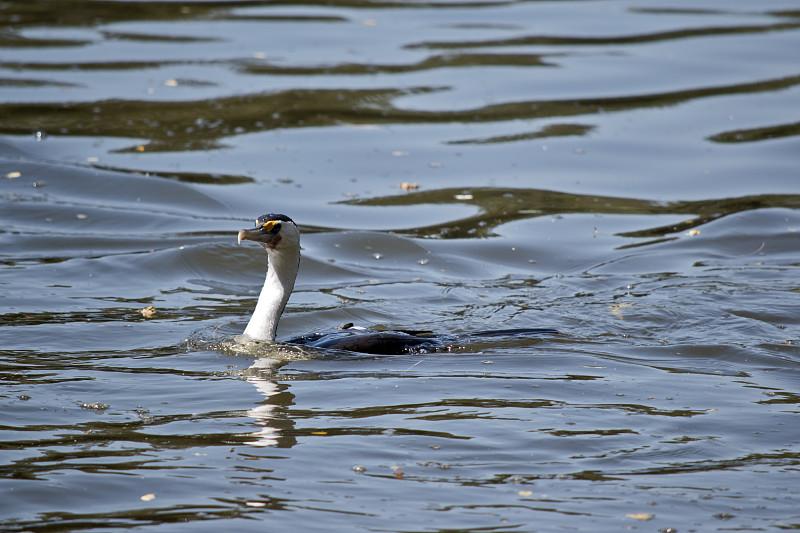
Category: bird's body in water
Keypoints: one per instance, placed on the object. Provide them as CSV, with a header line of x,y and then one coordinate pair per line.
x,y
280,237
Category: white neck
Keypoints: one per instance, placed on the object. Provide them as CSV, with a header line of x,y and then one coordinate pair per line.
x,y
281,273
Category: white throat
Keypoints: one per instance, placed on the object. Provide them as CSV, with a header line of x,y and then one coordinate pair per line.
x,y
282,267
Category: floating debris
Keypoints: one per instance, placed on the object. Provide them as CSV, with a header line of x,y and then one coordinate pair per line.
x,y
617,309
148,497
641,516
148,312
406,186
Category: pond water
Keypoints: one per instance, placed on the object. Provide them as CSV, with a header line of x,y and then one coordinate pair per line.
x,y
623,172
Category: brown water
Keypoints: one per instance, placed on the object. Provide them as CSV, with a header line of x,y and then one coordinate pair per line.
x,y
624,172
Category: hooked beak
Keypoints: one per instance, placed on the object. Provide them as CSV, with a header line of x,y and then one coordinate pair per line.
x,y
247,235
259,235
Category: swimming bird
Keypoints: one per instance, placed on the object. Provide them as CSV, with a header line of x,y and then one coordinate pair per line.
x,y
280,237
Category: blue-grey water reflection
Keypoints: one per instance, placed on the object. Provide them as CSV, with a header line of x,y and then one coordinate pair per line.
x,y
623,172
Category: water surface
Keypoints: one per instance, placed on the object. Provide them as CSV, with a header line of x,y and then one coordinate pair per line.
x,y
625,172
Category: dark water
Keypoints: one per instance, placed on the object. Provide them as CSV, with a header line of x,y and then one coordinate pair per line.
x,y
625,172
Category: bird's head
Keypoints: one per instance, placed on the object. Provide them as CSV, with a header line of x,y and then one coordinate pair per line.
x,y
274,232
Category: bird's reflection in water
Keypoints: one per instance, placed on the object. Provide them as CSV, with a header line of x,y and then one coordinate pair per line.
x,y
263,374
259,375
270,356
